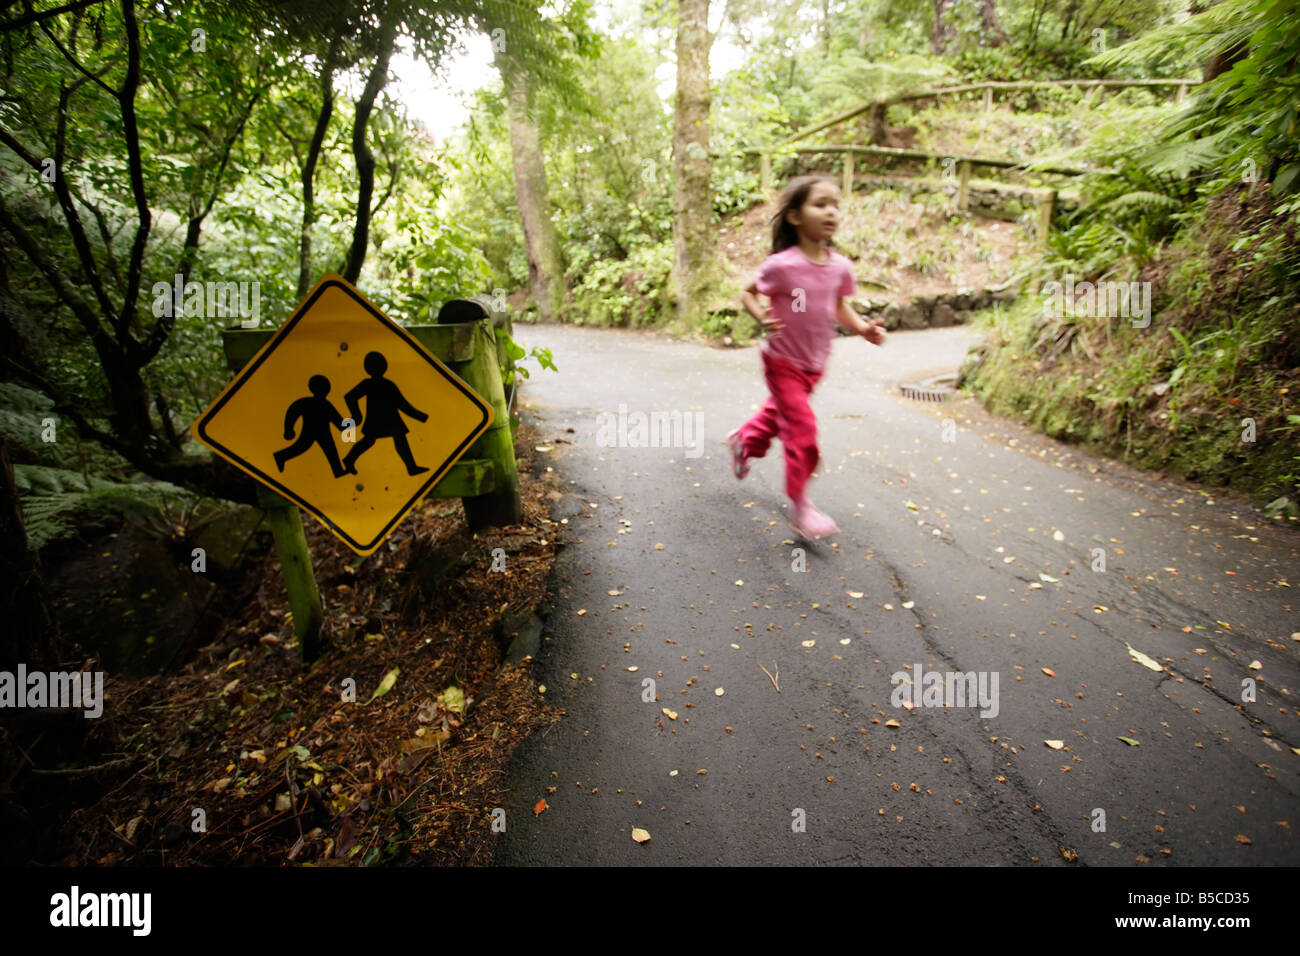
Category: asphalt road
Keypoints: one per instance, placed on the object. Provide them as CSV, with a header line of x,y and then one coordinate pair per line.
x,y
945,542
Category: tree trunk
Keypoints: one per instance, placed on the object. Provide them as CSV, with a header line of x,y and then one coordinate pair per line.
x,y
941,33
541,243
994,35
1069,19
1223,61
692,166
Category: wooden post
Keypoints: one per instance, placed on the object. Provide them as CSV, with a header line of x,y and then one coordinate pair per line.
x,y
1182,92
501,506
847,188
295,564
988,99
1045,204
963,186
765,173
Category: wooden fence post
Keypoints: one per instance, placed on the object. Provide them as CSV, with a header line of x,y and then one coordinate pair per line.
x,y
847,189
765,173
295,564
501,506
1045,204
988,99
963,186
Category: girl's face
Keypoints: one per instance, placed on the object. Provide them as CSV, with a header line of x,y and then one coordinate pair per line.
x,y
820,213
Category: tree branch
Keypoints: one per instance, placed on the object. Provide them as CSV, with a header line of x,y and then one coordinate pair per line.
x,y
59,282
79,240
93,77
309,167
365,159
162,328
36,17
131,129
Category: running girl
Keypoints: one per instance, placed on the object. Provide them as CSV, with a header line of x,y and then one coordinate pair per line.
x,y
808,286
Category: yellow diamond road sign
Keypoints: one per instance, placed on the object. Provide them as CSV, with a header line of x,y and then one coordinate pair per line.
x,y
346,414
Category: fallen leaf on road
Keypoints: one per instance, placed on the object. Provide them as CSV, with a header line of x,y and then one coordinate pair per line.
x,y
718,692
640,836
1055,744
670,714
893,723
1255,665
854,594
1049,672
1129,740
539,807
1142,659
1242,838
809,643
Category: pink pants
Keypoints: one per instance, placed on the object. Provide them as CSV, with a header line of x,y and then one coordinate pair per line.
x,y
788,416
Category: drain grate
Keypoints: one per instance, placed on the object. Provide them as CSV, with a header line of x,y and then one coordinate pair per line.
x,y
935,389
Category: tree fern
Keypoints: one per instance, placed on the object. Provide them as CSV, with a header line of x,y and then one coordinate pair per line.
x,y
1142,199
1242,125
56,500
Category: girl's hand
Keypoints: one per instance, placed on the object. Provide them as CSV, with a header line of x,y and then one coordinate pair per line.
x,y
771,322
875,332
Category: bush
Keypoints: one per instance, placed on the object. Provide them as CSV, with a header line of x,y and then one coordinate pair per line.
x,y
628,293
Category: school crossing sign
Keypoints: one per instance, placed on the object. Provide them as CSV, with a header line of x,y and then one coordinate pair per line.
x,y
344,413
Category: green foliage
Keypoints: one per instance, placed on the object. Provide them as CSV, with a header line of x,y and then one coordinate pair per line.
x,y
850,79
55,502
1242,125
631,292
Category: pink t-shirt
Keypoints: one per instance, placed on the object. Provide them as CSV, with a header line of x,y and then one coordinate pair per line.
x,y
805,296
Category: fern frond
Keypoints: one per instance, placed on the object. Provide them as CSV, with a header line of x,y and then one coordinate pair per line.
x,y
1143,200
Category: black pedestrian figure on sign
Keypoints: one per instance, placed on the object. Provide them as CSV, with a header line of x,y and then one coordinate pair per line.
x,y
385,405
317,414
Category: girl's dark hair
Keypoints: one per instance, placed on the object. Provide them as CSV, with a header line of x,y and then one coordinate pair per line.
x,y
795,194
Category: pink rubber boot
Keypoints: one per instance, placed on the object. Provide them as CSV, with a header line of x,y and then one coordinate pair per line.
x,y
808,522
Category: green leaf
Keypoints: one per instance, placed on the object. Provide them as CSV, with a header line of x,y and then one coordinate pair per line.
x,y
385,685
1129,740
1287,178
453,699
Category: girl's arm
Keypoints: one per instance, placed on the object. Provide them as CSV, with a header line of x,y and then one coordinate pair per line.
x,y
847,316
749,297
